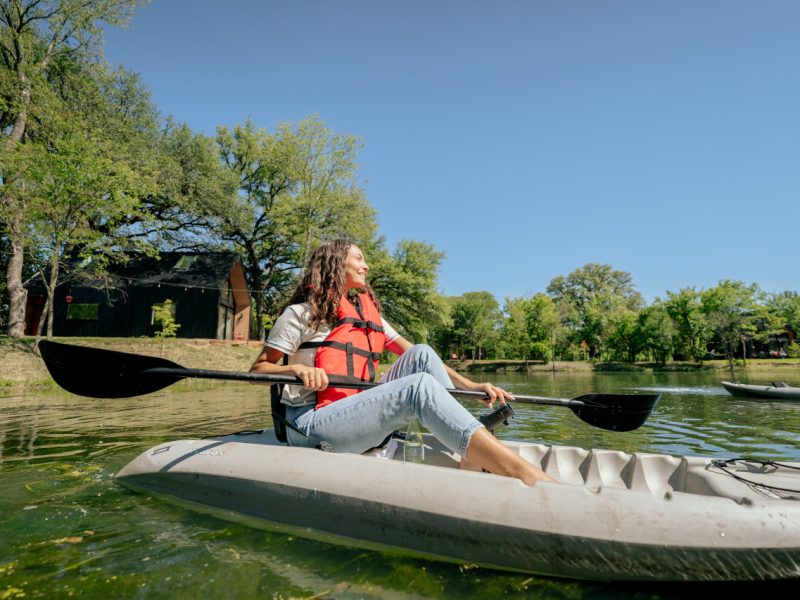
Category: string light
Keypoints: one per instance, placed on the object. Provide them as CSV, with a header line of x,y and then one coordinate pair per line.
x,y
185,286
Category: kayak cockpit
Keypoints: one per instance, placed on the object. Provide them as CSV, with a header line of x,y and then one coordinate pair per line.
x,y
660,475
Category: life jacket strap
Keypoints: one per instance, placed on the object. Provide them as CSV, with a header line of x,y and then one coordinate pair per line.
x,y
342,346
361,324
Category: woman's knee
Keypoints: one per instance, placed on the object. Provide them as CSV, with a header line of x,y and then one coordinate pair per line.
x,y
422,350
424,356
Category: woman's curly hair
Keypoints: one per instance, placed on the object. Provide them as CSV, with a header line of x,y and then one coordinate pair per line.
x,y
322,283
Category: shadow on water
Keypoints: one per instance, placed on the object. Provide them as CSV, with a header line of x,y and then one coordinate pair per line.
x,y
67,527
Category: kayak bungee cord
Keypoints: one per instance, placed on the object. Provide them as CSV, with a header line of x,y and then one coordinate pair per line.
x,y
723,463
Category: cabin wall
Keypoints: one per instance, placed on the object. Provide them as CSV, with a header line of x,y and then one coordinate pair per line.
x,y
128,313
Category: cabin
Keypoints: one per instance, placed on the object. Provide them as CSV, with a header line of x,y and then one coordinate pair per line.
x,y
208,292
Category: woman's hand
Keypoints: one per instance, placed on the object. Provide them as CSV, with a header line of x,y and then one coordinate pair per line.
x,y
313,378
496,394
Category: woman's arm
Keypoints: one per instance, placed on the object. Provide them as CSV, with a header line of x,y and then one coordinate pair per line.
x,y
267,363
399,345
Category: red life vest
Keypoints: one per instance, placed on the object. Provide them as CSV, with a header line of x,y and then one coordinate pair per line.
x,y
352,349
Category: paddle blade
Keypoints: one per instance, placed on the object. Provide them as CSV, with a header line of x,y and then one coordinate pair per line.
x,y
616,412
98,373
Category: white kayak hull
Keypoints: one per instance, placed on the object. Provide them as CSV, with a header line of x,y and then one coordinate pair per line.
x,y
613,516
762,391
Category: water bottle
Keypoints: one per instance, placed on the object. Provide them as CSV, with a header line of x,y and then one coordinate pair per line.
x,y
414,447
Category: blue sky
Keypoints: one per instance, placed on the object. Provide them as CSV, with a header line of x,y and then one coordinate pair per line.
x,y
523,138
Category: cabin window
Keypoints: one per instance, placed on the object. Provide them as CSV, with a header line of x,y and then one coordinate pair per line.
x,y
184,263
82,312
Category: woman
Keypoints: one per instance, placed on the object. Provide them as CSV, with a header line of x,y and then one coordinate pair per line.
x,y
333,324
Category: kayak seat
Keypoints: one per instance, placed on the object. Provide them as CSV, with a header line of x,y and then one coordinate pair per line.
x,y
780,384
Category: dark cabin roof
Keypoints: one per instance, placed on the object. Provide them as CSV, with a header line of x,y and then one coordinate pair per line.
x,y
207,270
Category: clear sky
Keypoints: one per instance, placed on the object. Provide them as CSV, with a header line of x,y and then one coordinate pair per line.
x,y
523,138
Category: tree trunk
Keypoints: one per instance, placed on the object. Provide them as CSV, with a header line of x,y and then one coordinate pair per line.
x,y
17,295
51,293
21,120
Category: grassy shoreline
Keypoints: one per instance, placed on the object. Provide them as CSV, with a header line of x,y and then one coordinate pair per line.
x,y
22,369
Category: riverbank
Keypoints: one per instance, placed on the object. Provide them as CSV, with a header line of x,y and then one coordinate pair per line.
x,y
21,368
754,365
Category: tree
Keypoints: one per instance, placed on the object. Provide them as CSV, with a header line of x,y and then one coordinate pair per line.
x,y
543,323
405,281
515,342
786,307
591,292
34,36
731,309
691,328
656,331
70,183
164,314
293,189
476,323
622,337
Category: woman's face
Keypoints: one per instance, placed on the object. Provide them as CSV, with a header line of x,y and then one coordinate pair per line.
x,y
355,268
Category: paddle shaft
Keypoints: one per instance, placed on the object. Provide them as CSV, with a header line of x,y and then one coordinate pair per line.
x,y
97,373
353,385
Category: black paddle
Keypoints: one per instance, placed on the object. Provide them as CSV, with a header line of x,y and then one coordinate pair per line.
x,y
99,373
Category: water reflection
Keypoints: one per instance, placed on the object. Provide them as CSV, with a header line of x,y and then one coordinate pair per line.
x,y
67,527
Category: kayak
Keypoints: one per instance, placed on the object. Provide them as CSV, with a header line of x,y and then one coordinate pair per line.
x,y
776,391
611,516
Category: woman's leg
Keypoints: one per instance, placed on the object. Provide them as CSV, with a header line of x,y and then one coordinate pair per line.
x,y
489,453
362,421
484,449
420,358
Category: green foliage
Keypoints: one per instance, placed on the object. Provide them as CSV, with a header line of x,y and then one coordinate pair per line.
x,y
288,191
656,331
731,310
85,312
589,297
515,342
692,330
476,324
164,313
544,326
43,45
405,281
786,308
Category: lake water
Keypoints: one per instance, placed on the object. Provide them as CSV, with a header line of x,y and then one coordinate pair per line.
x,y
68,529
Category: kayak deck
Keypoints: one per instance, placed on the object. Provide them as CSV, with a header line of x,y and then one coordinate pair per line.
x,y
611,516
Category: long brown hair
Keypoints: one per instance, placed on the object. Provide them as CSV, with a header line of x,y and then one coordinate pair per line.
x,y
322,283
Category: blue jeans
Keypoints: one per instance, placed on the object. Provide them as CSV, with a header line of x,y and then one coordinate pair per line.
x,y
414,389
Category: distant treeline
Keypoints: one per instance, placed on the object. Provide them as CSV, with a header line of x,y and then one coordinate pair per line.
x,y
595,313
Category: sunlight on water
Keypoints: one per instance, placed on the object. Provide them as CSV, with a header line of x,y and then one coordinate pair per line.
x,y
68,528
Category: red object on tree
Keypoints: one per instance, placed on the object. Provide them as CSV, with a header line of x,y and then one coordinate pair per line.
x,y
68,299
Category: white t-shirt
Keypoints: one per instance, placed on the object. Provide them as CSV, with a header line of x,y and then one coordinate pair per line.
x,y
290,330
